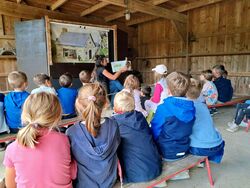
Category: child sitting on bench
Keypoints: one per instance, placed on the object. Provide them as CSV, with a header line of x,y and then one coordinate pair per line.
x,y
67,96
43,81
205,140
160,89
132,85
223,85
40,157
242,111
13,102
137,152
173,121
94,141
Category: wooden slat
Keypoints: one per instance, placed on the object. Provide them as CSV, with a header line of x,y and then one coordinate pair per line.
x,y
18,1
121,13
57,4
182,8
94,8
1,25
181,28
147,8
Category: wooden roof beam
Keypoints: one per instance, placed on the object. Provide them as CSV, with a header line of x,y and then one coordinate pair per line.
x,y
181,8
94,8
136,5
121,13
57,4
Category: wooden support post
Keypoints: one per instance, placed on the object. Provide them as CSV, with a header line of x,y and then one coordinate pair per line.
x,y
188,59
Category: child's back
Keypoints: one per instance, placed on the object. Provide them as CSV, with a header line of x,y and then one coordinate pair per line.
x,y
13,103
96,157
94,142
204,134
173,121
48,165
205,140
40,157
67,97
137,152
172,125
66,94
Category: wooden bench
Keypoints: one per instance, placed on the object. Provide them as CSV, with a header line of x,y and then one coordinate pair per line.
x,y
170,169
234,101
63,123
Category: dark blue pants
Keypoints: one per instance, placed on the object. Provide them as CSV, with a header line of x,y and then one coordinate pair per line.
x,y
214,154
114,87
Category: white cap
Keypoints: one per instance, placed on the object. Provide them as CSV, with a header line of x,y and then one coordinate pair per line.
x,y
161,69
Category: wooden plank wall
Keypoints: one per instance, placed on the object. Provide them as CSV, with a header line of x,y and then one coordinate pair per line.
x,y
221,29
7,40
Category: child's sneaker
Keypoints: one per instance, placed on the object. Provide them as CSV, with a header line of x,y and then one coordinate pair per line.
x,y
243,124
181,176
230,124
233,128
201,165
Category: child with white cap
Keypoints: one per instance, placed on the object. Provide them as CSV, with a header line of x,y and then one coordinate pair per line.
x,y
160,90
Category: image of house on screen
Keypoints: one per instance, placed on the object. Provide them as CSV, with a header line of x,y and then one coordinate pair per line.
x,y
75,47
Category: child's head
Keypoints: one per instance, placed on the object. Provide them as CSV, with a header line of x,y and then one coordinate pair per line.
x,y
124,102
178,84
194,89
84,76
218,70
89,104
131,82
206,75
101,61
146,91
42,79
40,110
161,71
18,80
66,80
225,74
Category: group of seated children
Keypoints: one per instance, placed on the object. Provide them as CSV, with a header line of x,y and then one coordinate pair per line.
x,y
11,104
181,124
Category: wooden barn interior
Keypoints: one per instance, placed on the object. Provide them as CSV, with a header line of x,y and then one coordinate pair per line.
x,y
185,35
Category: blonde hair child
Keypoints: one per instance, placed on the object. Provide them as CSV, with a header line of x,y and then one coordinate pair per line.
x,y
132,85
39,149
160,89
94,141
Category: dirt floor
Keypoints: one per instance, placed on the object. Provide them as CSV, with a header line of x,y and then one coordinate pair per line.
x,y
233,172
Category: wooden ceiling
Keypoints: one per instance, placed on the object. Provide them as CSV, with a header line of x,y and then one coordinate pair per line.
x,y
105,11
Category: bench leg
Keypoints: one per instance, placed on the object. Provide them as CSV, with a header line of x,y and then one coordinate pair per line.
x,y
209,173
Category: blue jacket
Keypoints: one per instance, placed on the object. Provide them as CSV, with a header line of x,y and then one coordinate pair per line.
x,y
137,151
172,125
13,103
67,98
225,89
95,156
204,134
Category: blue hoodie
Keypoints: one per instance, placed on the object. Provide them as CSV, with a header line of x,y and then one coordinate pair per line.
x,y
13,103
67,97
138,154
172,125
95,156
204,134
225,90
